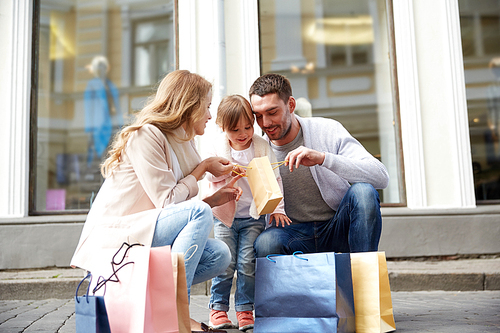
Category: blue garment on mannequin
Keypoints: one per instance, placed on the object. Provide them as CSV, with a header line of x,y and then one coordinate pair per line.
x,y
98,120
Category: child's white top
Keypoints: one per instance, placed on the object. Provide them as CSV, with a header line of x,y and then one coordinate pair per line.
x,y
243,157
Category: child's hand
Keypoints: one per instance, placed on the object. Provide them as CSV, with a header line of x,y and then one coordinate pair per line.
x,y
280,219
238,171
225,194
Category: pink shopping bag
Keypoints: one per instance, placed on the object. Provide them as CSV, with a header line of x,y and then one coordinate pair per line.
x,y
139,290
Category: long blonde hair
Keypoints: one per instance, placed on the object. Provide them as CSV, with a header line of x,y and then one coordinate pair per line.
x,y
181,98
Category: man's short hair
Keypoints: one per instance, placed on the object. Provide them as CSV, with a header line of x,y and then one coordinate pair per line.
x,y
272,84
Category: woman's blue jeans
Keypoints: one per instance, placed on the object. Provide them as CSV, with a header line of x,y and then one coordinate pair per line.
x,y
355,227
239,238
186,227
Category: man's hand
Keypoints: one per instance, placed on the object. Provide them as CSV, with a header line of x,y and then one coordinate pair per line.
x,y
280,219
225,194
304,156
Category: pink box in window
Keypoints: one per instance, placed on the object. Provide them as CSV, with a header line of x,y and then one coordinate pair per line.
x,y
55,199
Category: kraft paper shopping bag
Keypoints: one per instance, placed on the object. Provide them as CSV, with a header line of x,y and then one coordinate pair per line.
x,y
139,291
304,293
372,293
263,184
181,292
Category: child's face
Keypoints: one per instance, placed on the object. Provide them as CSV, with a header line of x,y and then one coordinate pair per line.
x,y
240,137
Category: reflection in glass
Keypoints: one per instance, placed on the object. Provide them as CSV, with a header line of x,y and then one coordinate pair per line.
x,y
480,27
97,63
335,54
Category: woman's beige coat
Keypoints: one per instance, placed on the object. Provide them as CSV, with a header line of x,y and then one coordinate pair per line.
x,y
129,202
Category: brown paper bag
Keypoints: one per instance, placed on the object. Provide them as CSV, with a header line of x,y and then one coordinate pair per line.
x,y
372,293
181,292
264,186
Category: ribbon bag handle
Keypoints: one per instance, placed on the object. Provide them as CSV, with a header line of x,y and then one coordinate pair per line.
x,y
280,255
89,275
114,277
247,167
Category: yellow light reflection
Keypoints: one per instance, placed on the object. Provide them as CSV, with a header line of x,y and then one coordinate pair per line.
x,y
341,30
62,46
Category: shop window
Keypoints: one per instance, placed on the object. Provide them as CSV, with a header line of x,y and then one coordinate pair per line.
x,y
96,64
335,53
480,28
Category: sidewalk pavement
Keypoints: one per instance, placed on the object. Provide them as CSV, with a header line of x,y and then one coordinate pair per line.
x,y
435,296
420,311
447,275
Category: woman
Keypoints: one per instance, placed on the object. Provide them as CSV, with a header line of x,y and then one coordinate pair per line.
x,y
151,173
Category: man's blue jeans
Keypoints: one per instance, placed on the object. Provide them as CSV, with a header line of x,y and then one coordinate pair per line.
x,y
186,227
355,227
240,239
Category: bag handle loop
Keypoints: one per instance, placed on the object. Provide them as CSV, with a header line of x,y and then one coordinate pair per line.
x,y
247,167
89,275
114,277
280,255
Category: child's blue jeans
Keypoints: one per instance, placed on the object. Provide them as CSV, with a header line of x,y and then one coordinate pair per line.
x,y
239,238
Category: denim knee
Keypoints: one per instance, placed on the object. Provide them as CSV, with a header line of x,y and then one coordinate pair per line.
x,y
202,211
268,242
364,194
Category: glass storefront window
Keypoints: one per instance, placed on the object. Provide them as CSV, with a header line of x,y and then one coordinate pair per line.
x,y
336,55
97,64
480,27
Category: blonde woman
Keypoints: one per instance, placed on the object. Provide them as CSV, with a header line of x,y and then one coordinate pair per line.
x,y
151,173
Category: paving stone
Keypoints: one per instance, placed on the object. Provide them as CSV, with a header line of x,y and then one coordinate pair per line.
x,y
421,311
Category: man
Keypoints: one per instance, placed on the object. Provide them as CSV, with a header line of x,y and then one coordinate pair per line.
x,y
331,198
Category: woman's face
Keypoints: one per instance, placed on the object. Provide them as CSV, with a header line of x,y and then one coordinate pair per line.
x,y
199,126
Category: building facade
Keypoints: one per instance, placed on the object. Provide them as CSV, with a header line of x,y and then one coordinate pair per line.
x,y
416,82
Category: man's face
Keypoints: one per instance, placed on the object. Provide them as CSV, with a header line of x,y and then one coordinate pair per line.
x,y
273,116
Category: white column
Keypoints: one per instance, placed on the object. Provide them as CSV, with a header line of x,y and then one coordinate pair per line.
x,y
447,156
409,104
15,84
249,44
460,143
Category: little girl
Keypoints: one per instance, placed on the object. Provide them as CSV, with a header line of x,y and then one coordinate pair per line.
x,y
238,224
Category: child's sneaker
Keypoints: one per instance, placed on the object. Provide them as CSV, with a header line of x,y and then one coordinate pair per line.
x,y
219,319
245,320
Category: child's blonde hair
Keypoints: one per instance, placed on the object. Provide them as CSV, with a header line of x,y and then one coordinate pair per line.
x,y
230,111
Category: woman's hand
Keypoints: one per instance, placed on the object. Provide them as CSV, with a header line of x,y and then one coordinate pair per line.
x,y
225,194
217,166
238,170
280,219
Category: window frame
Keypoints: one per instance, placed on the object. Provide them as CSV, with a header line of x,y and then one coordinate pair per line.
x,y
33,108
395,95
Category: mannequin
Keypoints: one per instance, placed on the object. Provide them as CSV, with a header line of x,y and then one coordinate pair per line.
x,y
103,116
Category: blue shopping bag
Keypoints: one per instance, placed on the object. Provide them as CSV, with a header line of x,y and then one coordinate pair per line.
x,y
304,293
90,312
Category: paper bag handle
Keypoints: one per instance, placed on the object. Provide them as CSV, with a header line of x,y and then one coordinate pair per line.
x,y
280,255
114,277
89,275
247,167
